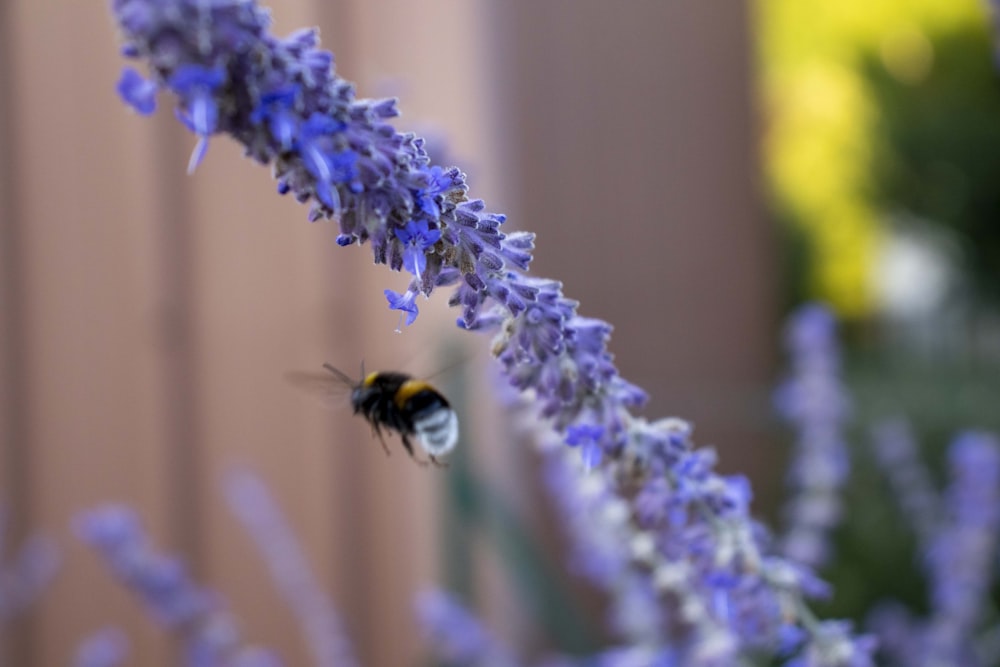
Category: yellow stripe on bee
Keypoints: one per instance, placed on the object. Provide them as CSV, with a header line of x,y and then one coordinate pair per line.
x,y
408,389
370,380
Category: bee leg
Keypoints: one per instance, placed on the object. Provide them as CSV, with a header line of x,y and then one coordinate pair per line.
x,y
378,432
409,450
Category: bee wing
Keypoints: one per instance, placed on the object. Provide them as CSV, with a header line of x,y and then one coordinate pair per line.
x,y
328,389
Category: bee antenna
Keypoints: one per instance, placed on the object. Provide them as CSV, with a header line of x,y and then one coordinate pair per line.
x,y
363,376
341,375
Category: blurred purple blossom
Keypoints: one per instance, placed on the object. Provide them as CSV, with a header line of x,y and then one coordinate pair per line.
x,y
962,559
836,646
207,631
684,566
417,238
911,483
139,93
105,648
815,403
27,574
898,633
960,540
456,635
251,502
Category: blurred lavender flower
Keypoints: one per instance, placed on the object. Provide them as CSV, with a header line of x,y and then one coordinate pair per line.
x,y
208,632
683,564
137,91
456,635
898,633
281,99
961,561
909,477
814,402
619,656
835,645
960,541
105,648
23,579
251,502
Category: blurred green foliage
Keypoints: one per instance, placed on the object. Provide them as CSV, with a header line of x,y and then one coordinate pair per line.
x,y
872,109
940,134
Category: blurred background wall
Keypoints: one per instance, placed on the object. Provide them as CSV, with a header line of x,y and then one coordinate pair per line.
x,y
147,318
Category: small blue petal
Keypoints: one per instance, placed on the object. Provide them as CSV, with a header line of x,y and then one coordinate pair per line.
x,y
328,195
318,125
190,78
197,154
416,237
415,261
431,236
583,433
283,129
105,648
137,91
404,302
204,113
591,453
405,234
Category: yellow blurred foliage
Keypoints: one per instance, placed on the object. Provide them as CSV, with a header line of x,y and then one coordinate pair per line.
x,y
821,136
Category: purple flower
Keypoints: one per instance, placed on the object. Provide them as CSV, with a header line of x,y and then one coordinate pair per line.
x,y
833,645
588,438
277,109
195,87
405,303
416,238
197,616
909,477
138,92
813,400
106,648
24,578
161,582
329,166
960,537
962,559
456,635
250,501
899,634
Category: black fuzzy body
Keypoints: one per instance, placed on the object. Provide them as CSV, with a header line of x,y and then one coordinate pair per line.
x,y
396,401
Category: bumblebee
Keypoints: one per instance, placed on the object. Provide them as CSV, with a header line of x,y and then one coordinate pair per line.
x,y
393,401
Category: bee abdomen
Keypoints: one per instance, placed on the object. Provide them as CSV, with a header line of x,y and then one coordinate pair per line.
x,y
437,430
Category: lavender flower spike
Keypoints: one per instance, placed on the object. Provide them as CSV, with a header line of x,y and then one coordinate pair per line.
x,y
456,635
105,648
23,580
815,403
281,99
911,481
250,501
198,617
962,559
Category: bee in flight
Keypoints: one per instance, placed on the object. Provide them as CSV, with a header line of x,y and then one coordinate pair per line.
x,y
395,402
